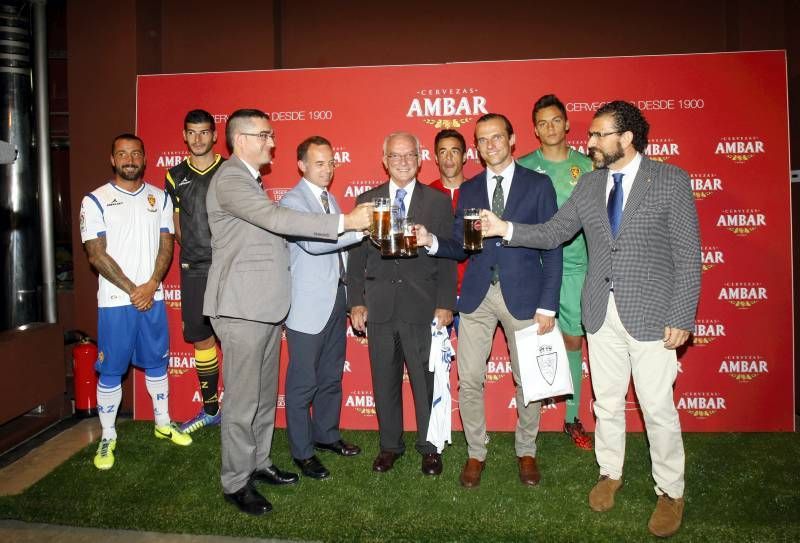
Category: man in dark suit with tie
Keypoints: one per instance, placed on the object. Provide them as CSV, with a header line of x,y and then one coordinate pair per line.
x,y
247,298
316,325
639,299
515,287
397,298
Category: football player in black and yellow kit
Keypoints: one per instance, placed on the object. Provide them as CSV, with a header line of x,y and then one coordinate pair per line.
x,y
187,185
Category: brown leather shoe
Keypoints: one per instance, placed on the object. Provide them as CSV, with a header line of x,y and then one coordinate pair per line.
x,y
471,474
667,516
432,464
528,472
601,497
384,461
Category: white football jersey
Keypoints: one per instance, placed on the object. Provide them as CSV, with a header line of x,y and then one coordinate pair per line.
x,y
131,224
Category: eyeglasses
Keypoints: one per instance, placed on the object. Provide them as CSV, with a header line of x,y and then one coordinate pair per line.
x,y
396,159
263,136
603,134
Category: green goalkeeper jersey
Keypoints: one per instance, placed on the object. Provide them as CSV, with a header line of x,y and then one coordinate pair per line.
x,y
564,175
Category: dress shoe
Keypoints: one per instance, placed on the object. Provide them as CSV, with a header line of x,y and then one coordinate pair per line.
x,y
274,476
471,474
601,497
667,516
312,467
384,461
340,447
249,501
432,464
528,472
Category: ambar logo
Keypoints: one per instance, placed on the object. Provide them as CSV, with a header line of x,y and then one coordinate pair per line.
x,y
741,222
447,107
341,155
711,256
705,185
169,159
357,187
701,405
662,149
180,363
497,369
707,331
742,295
172,296
744,368
362,402
739,149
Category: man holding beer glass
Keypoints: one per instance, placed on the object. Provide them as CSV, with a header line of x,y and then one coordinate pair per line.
x,y
396,297
513,287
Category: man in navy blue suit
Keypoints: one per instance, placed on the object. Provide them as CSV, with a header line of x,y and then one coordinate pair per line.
x,y
513,286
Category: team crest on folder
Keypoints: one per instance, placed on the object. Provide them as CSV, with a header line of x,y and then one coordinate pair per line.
x,y
548,363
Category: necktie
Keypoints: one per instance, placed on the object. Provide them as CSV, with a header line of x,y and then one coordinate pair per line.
x,y
399,201
614,205
327,207
498,206
260,183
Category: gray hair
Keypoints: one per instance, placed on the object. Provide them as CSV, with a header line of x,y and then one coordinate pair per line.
x,y
393,135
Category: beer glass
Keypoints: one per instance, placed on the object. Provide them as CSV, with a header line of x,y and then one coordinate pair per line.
x,y
473,235
392,244
381,219
409,237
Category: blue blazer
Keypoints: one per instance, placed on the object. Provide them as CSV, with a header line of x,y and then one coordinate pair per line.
x,y
529,278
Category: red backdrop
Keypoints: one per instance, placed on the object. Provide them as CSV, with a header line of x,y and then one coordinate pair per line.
x,y
721,117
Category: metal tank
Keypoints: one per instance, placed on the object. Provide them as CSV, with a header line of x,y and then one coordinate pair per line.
x,y
21,270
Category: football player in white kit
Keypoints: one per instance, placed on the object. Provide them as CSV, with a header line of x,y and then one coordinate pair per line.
x,y
127,230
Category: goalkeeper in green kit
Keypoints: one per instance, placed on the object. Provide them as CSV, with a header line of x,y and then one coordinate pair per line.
x,y
564,166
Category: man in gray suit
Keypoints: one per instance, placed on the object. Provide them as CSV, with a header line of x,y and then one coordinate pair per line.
x,y
316,325
247,298
639,299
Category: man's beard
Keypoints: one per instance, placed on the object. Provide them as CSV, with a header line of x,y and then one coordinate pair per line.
x,y
130,174
602,160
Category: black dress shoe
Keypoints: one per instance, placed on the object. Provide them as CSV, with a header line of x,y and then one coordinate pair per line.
x,y
273,476
384,461
432,464
339,447
312,467
249,501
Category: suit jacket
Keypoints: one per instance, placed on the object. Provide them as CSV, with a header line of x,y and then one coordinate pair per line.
x,y
314,266
249,274
529,278
405,289
654,264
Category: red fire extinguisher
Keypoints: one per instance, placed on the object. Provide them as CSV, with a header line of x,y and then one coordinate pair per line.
x,y
84,356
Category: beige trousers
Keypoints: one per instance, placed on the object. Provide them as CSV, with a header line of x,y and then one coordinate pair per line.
x,y
475,334
615,356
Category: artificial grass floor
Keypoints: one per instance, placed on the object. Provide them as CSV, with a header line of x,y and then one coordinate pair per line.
x,y
740,487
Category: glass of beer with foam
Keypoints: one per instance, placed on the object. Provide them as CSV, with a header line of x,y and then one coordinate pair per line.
x,y
473,235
